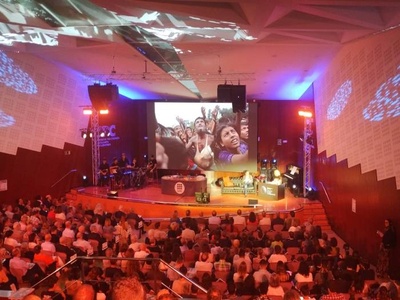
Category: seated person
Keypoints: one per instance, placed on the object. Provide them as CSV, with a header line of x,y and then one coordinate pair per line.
x,y
29,271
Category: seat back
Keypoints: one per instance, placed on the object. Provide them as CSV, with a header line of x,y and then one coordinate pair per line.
x,y
239,227
252,227
272,266
293,250
293,266
200,274
213,227
62,256
265,228
278,227
95,245
18,273
223,275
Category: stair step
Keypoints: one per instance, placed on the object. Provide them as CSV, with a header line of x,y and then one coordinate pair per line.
x,y
313,204
314,211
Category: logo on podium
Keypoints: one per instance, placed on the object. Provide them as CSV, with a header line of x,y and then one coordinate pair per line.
x,y
179,188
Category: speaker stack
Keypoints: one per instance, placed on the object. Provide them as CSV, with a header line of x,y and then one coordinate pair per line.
x,y
236,94
102,95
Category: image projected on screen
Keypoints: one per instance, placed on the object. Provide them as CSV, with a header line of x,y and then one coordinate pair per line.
x,y
204,136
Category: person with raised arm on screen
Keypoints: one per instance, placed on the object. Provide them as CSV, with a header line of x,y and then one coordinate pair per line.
x,y
201,143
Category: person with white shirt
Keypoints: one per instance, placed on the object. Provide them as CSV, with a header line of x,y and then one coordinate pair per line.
x,y
202,265
266,220
261,273
68,232
143,251
214,219
9,240
82,244
135,245
242,256
277,255
239,219
187,233
47,245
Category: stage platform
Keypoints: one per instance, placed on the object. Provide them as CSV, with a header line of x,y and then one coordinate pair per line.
x,y
151,203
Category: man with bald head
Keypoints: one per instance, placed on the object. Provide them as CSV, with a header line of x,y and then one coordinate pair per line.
x,y
47,245
128,288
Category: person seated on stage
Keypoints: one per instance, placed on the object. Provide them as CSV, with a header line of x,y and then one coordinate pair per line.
x,y
134,164
247,181
123,162
104,172
115,170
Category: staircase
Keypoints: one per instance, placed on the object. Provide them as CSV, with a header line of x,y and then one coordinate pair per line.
x,y
316,210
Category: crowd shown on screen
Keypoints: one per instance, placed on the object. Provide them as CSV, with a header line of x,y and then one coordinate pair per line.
x,y
210,142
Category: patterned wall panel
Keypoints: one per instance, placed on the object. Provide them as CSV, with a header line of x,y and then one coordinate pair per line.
x,y
39,104
358,105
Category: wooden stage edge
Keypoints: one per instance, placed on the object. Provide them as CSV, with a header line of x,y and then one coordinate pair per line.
x,y
151,203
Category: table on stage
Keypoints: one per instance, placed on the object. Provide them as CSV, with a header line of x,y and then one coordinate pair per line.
x,y
183,185
271,191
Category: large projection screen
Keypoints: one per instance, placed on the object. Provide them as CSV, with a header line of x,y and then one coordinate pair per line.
x,y
203,136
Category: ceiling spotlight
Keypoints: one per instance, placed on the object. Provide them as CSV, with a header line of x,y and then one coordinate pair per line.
x,y
306,114
87,111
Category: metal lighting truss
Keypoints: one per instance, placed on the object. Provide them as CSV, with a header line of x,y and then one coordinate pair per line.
x,y
95,144
227,77
307,154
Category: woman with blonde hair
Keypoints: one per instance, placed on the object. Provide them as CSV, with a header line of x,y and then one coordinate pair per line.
x,y
275,288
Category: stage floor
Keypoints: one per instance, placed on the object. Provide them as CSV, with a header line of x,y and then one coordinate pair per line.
x,y
150,202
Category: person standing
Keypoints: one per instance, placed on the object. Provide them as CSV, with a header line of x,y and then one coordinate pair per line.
x,y
152,168
247,181
386,247
104,172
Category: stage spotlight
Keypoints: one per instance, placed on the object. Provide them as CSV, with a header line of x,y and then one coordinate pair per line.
x,y
90,134
311,194
264,163
274,163
85,180
295,190
102,133
277,173
84,134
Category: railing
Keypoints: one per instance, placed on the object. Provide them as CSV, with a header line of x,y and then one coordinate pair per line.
x,y
69,172
325,191
155,263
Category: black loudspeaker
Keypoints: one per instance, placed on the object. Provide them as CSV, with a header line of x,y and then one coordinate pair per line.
x,y
224,93
236,94
102,95
238,98
253,201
